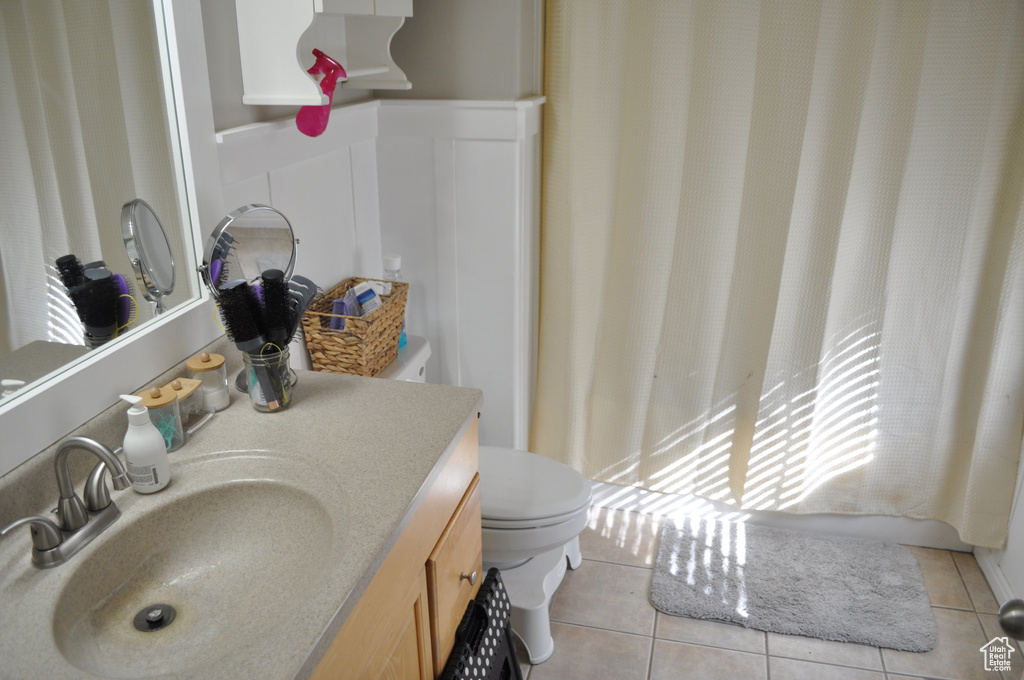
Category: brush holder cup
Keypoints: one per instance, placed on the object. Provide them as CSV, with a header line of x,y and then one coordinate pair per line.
x,y
269,378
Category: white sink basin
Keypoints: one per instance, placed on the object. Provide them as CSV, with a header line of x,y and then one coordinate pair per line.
x,y
237,545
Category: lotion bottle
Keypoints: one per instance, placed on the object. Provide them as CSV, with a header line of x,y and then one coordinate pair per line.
x,y
144,450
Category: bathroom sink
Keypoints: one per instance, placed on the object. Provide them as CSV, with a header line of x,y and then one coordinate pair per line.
x,y
237,546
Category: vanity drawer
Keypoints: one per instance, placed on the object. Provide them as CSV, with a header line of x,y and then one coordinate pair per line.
x,y
454,574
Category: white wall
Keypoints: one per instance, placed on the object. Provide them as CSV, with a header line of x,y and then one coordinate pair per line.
x,y
479,50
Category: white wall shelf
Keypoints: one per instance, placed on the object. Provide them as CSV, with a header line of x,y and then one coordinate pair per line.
x,y
273,35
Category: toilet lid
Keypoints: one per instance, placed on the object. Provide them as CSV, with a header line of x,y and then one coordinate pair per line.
x,y
517,485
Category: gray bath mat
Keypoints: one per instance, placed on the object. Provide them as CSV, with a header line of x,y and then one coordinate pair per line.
x,y
794,582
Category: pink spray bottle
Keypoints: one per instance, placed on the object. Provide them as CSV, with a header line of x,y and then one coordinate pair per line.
x,y
312,120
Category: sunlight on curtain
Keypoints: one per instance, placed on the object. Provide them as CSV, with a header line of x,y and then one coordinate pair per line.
x,y
83,130
783,254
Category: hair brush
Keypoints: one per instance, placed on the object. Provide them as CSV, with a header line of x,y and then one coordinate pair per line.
x,y
240,309
277,307
243,317
96,300
70,271
126,309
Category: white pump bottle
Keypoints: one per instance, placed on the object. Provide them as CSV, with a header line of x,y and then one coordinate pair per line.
x,y
145,451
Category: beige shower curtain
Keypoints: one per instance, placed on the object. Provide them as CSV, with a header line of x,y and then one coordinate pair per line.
x,y
783,253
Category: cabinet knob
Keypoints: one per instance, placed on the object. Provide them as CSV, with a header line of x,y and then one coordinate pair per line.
x,y
468,577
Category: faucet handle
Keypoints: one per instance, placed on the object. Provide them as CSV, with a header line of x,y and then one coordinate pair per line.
x,y
97,496
45,533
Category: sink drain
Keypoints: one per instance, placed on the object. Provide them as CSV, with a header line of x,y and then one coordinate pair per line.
x,y
154,617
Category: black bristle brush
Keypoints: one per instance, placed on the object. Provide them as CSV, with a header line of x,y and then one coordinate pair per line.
x,y
240,309
242,315
219,273
96,300
72,275
277,307
70,271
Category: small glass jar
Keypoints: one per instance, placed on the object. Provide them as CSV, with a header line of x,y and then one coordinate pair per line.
x,y
164,412
212,371
190,398
269,379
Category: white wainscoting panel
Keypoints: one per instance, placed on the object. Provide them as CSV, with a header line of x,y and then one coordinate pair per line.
x,y
458,185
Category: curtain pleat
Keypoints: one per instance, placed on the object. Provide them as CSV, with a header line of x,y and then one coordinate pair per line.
x,y
781,254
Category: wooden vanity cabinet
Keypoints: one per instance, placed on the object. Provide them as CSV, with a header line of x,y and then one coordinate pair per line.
x,y
403,626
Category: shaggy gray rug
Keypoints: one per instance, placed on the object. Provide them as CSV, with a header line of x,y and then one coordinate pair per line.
x,y
795,582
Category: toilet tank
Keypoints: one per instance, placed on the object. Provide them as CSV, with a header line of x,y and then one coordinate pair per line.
x,y
411,363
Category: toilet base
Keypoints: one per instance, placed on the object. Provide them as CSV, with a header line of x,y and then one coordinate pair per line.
x,y
530,587
573,554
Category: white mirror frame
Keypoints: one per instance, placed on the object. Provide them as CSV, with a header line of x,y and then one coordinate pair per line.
x,y
51,410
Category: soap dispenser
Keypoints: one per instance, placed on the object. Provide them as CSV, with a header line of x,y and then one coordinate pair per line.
x,y
144,450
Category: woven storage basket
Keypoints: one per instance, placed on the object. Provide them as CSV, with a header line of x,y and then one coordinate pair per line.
x,y
367,344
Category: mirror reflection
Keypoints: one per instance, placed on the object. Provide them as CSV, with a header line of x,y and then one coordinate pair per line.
x,y
86,124
101,298
249,241
149,251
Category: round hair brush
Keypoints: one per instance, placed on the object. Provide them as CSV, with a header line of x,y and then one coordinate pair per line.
x,y
243,317
96,300
70,271
72,274
277,306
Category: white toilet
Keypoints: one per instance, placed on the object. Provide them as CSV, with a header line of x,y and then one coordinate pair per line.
x,y
533,510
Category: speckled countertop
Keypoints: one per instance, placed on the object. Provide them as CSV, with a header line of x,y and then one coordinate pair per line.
x,y
369,448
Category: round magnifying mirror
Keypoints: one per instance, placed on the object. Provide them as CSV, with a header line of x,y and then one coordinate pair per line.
x,y
249,241
149,251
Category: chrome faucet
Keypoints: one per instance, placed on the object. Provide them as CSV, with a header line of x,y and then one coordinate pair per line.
x,y
71,513
77,523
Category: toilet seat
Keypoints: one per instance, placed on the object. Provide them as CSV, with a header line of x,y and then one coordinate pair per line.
x,y
522,490
537,523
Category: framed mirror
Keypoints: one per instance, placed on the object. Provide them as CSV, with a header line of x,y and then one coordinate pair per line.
x,y
54,405
89,124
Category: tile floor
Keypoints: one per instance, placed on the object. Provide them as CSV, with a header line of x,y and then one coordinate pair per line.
x,y
605,627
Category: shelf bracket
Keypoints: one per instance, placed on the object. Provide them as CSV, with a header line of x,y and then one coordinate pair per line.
x,y
268,31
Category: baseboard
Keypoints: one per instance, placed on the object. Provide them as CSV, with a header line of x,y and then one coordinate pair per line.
x,y
997,580
925,533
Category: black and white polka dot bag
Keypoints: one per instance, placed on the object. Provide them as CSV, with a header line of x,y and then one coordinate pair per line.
x,y
484,649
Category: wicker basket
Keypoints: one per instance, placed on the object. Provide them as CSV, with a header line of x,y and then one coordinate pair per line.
x,y
367,344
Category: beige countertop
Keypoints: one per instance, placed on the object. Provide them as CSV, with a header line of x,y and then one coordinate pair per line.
x,y
379,445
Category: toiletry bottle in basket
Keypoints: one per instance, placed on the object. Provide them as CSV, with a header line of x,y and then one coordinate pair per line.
x,y
393,272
